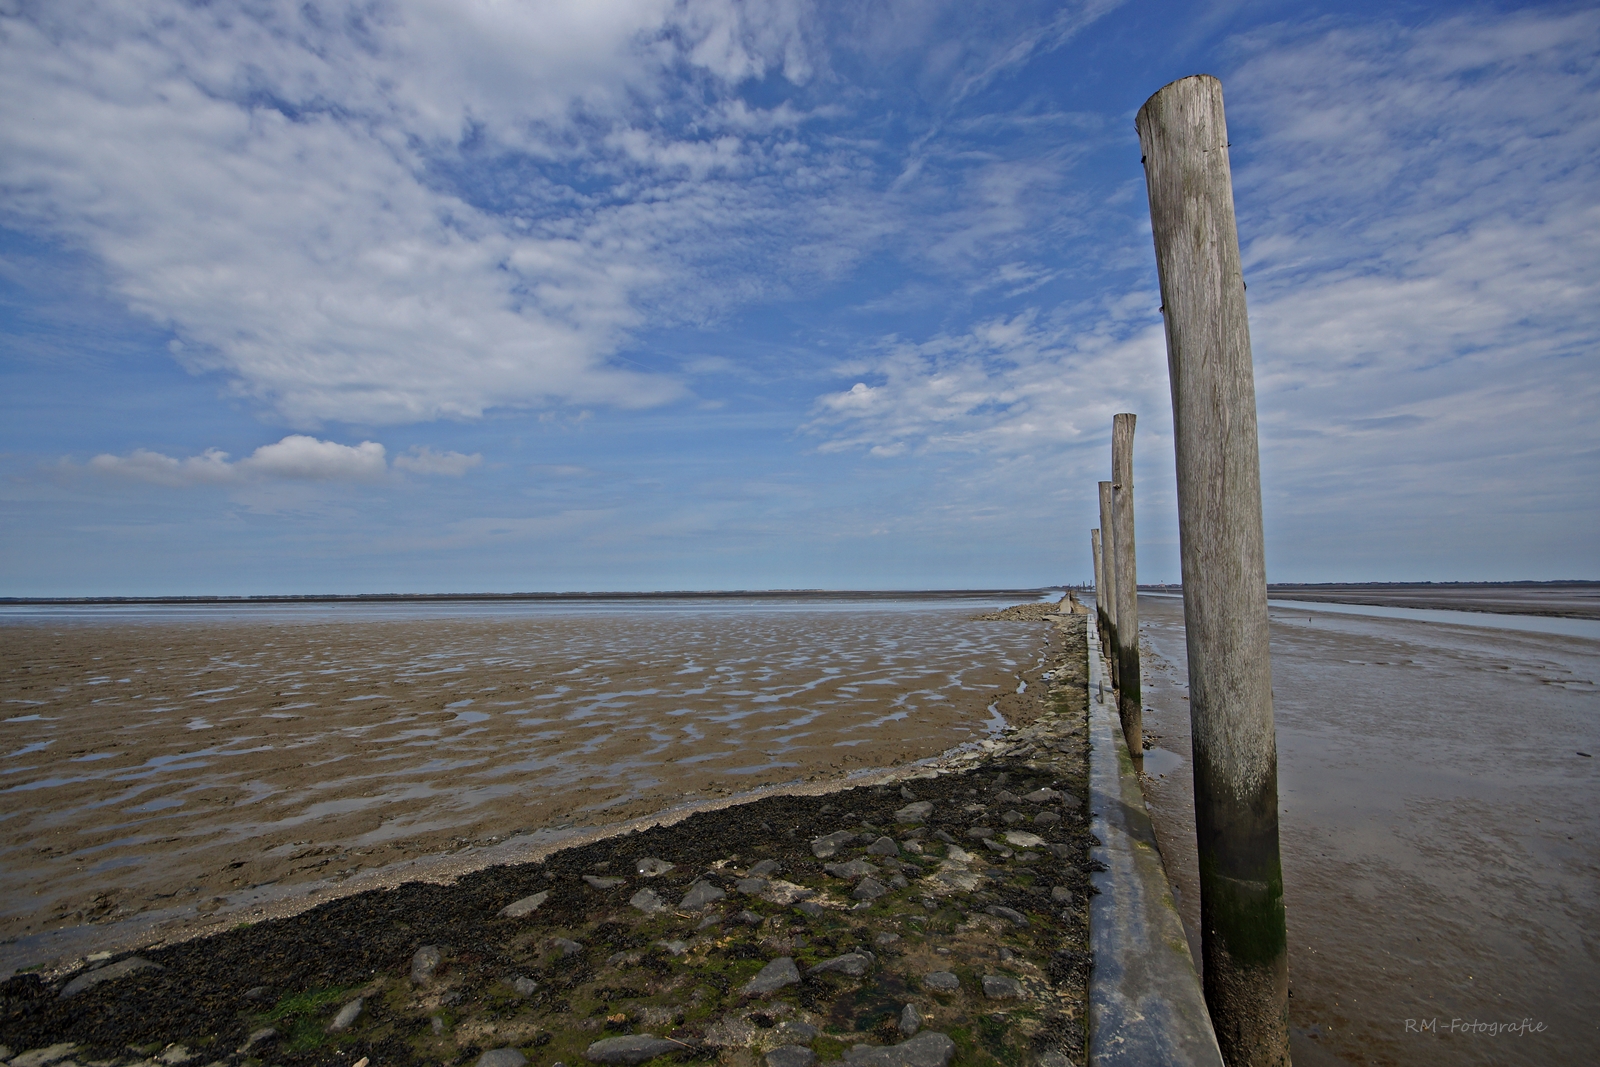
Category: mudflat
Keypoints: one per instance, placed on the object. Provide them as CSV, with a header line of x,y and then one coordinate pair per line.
x,y
933,917
176,769
1437,789
1573,600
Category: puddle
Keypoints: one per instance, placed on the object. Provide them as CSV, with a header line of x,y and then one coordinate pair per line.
x,y
1159,762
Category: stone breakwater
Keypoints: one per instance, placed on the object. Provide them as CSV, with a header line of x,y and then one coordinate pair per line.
x,y
935,917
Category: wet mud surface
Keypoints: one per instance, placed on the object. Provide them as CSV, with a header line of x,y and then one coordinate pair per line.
x,y
975,916
1440,850
1574,600
180,770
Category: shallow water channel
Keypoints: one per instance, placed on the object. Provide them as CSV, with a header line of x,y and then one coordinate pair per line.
x,y
1440,831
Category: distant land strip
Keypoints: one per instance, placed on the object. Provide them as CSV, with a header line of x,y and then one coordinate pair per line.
x,y
704,594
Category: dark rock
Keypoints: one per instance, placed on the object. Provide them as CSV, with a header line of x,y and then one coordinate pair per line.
x,y
631,1049
775,975
40,1057
764,868
566,946
525,986
647,901
257,1037
699,895
110,973
929,1049
810,908
870,889
748,917
424,963
828,845
751,887
1011,915
1001,987
1061,895
502,1057
852,870
980,833
883,846
855,964
347,1016
526,906
1011,818
910,1020
599,883
915,812
1046,818
650,867
941,981
791,1056
1042,796
796,1032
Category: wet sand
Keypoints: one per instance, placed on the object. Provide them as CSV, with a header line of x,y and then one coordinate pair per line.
x,y
1440,845
180,768
1574,600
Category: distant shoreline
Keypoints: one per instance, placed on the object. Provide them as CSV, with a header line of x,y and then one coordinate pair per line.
x,y
1564,599
390,598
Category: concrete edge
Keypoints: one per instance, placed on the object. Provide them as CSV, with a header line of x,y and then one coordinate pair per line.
x,y
1146,1005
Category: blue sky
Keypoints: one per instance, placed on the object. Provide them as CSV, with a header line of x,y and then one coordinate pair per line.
x,y
415,295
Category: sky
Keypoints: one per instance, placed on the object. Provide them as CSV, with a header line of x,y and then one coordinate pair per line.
x,y
435,296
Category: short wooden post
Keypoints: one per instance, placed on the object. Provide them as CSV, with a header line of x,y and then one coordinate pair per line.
x,y
1108,557
1127,650
1099,571
1184,136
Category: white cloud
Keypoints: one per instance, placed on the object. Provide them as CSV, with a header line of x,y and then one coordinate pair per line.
x,y
424,460
287,186
1421,215
295,458
209,468
382,213
1420,209
1005,386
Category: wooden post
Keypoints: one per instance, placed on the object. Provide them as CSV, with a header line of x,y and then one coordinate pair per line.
x,y
1127,650
1108,556
1185,141
1099,572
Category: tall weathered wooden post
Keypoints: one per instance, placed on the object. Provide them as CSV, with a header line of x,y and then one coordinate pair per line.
x,y
1108,569
1127,650
1185,141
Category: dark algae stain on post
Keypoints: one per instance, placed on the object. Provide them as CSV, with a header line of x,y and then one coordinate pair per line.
x,y
936,918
